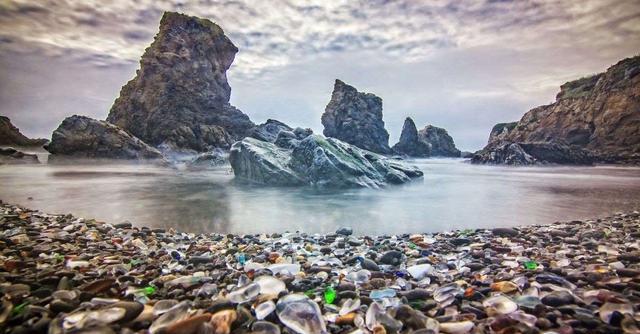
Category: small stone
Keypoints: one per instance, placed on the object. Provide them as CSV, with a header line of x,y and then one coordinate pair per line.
x,y
345,231
558,298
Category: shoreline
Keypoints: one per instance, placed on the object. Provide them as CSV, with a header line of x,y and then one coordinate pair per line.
x,y
63,274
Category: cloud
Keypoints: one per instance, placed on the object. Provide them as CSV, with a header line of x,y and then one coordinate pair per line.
x,y
277,33
461,65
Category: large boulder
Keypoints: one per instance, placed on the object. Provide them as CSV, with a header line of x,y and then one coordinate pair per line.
x,y
11,156
180,95
441,143
410,143
11,135
84,137
316,161
599,113
356,118
268,131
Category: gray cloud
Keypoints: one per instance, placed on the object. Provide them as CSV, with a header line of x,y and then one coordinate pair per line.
x,y
461,65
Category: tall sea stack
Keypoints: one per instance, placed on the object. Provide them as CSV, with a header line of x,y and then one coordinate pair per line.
x,y
180,95
356,118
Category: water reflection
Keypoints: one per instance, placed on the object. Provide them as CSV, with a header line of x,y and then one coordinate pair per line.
x,y
451,195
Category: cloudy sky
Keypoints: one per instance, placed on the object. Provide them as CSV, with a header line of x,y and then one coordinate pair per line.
x,y
461,65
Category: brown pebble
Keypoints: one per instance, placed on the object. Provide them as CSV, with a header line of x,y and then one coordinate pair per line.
x,y
189,325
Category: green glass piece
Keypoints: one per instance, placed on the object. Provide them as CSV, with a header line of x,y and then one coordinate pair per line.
x,y
329,295
20,308
149,290
309,293
530,265
412,245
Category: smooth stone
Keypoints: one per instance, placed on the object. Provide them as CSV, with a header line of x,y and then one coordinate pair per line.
x,y
558,298
505,232
392,257
133,309
345,231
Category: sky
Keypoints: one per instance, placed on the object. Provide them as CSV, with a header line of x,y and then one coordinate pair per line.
x,y
460,65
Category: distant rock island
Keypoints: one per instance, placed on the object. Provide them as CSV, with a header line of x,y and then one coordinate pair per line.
x,y
431,141
180,95
594,119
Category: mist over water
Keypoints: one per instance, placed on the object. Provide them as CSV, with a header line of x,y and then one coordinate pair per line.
x,y
452,195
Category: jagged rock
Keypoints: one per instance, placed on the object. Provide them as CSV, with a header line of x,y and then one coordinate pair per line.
x,y
84,137
410,143
501,131
268,131
180,95
356,118
533,153
11,135
12,156
600,113
442,144
316,161
291,139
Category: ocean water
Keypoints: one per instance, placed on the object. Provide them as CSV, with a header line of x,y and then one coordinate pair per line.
x,y
452,195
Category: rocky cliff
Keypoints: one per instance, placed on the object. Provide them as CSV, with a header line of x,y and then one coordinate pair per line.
x,y
180,95
356,118
268,131
599,114
11,135
84,137
441,143
410,143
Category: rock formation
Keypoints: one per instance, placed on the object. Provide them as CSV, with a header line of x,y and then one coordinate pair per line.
x,y
600,113
210,159
11,136
523,154
83,137
268,131
316,161
180,95
11,156
356,118
410,143
441,143
291,139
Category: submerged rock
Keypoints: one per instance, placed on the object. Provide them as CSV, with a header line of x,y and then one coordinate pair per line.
x,y
210,159
84,137
11,135
410,143
316,161
12,156
180,95
356,118
441,143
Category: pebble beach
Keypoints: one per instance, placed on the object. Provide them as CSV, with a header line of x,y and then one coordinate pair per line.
x,y
64,274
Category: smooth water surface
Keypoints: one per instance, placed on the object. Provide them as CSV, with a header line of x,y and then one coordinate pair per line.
x,y
452,195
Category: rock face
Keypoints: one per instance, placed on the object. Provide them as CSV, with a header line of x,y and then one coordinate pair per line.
x,y
600,114
180,95
12,156
268,131
84,137
356,118
11,136
441,143
410,143
316,161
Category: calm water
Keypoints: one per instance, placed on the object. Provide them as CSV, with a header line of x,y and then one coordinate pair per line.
x,y
452,195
